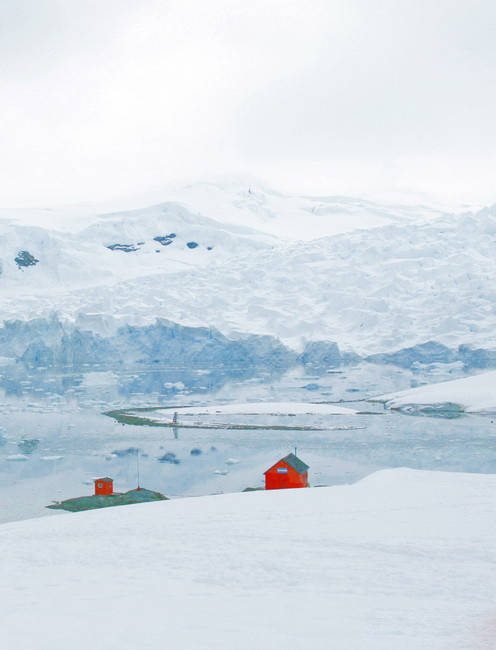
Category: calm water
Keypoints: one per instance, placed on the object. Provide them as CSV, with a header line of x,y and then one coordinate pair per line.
x,y
55,438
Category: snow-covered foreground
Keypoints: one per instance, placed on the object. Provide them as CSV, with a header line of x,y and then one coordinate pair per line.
x,y
258,408
472,394
403,559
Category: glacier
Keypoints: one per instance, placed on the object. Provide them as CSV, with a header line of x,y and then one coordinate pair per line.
x,y
51,342
328,280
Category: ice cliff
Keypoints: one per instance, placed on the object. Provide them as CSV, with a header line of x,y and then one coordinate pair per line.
x,y
52,342
390,284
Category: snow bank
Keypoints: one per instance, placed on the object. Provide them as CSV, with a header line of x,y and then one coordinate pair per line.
x,y
290,216
472,394
403,559
246,202
259,408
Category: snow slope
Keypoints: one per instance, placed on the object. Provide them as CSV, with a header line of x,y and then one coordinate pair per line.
x,y
472,394
246,203
225,221
371,290
403,559
253,408
421,277
293,216
82,258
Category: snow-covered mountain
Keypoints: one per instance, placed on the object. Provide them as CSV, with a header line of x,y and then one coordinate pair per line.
x,y
391,277
161,239
247,203
294,217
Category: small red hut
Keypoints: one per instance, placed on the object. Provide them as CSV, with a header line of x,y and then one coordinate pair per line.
x,y
104,486
289,472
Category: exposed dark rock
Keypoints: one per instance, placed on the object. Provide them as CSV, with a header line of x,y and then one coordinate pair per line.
x,y
28,446
126,248
24,259
130,451
311,387
165,240
169,457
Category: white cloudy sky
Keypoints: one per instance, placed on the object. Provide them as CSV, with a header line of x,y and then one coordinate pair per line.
x,y
104,99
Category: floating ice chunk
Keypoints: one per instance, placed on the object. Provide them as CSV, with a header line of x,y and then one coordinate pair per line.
x,y
91,379
177,385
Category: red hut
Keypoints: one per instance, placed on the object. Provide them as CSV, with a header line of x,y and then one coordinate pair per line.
x,y
289,472
104,486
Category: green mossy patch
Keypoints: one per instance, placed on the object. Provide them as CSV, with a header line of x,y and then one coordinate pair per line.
x,y
127,416
107,501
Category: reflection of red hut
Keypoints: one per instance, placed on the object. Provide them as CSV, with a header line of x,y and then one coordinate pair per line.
x,y
104,485
289,472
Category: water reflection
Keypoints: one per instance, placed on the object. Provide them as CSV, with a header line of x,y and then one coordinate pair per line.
x,y
53,420
18,380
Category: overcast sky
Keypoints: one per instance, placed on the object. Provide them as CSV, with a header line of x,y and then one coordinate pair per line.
x,y
101,99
